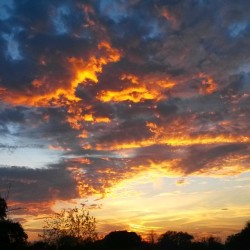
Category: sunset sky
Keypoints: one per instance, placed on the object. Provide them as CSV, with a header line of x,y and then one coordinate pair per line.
x,y
139,109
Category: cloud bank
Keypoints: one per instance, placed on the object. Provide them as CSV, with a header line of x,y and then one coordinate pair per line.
x,y
122,88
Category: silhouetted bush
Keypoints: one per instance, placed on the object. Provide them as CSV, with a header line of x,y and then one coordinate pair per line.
x,y
121,240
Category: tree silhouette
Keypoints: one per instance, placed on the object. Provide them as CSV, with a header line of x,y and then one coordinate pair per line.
x,y
3,209
213,243
40,245
241,240
172,240
12,235
70,226
208,243
121,240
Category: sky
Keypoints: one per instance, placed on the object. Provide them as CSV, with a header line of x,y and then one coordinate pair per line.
x,y
138,109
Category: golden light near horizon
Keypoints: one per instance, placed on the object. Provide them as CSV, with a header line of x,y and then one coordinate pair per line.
x,y
156,205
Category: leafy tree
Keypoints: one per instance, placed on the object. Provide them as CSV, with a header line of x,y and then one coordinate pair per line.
x,y
122,240
239,241
172,240
12,235
72,226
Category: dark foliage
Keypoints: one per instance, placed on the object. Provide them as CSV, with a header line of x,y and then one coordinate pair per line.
x,y
3,208
239,241
172,240
12,235
121,240
40,245
210,243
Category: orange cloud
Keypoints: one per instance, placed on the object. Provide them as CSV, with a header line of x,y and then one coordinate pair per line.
x,y
139,90
164,12
133,94
37,83
83,134
88,11
88,70
102,120
208,85
231,165
176,134
124,145
84,185
44,92
130,77
178,141
78,114
2,93
109,178
80,160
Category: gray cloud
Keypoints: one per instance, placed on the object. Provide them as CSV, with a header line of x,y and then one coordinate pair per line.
x,y
37,185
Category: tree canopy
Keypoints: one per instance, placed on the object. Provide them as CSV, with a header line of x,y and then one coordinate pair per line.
x,y
241,240
12,235
72,224
121,240
172,240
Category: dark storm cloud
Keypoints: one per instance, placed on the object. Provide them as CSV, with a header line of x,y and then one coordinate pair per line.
x,y
43,50
12,114
168,108
132,120
156,45
201,41
28,185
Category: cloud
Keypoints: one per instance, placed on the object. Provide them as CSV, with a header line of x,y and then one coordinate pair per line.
x,y
37,185
123,90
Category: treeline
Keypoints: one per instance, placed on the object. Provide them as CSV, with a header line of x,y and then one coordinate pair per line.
x,y
171,240
75,229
